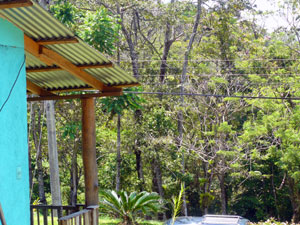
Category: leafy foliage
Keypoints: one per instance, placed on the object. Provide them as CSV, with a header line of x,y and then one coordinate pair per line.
x,y
116,105
128,206
241,155
177,204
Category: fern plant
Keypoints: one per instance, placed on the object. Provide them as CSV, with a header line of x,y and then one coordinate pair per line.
x,y
127,206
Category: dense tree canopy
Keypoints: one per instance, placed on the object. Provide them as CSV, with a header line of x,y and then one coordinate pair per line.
x,y
235,155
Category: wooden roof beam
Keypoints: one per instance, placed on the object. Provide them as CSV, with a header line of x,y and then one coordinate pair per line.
x,y
34,49
35,89
58,41
47,55
15,4
127,85
79,96
55,68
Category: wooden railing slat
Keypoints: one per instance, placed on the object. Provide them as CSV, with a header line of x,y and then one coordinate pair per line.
x,y
88,216
74,214
86,219
38,216
52,219
54,212
45,216
31,216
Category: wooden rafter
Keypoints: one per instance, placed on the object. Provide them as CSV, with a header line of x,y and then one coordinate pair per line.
x,y
115,88
35,89
33,48
43,69
58,41
55,68
47,55
127,85
15,4
72,89
79,96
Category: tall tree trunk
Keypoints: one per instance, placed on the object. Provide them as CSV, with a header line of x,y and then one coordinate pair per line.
x,y
52,152
295,199
133,54
183,78
157,182
138,152
74,178
223,193
132,42
157,177
167,45
207,185
139,168
37,138
118,175
40,175
277,215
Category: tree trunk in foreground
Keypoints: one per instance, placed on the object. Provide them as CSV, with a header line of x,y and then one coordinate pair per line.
x,y
52,152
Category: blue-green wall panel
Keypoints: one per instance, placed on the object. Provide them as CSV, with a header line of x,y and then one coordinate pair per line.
x,y
14,181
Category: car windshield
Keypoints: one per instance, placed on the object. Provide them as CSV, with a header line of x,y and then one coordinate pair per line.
x,y
186,220
213,219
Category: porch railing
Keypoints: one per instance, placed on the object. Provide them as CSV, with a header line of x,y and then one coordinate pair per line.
x,y
49,215
88,216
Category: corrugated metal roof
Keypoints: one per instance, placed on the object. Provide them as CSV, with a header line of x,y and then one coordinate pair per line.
x,y
39,25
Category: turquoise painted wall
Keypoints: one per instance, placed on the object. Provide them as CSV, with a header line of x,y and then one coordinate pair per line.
x,y
14,181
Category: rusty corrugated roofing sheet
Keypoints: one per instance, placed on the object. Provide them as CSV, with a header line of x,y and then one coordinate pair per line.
x,y
39,25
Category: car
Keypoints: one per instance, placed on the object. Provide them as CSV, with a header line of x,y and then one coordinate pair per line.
x,y
209,220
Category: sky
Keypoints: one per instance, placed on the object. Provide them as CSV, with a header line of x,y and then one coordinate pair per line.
x,y
269,22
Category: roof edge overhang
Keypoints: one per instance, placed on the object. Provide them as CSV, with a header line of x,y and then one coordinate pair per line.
x,y
15,4
55,62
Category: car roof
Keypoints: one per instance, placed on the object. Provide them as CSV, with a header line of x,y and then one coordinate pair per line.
x,y
221,219
185,220
210,220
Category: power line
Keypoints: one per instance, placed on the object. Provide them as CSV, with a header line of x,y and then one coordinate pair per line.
x,y
210,60
246,84
12,87
213,95
219,68
222,75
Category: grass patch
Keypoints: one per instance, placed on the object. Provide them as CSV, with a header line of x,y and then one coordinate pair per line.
x,y
111,221
102,220
108,221
150,222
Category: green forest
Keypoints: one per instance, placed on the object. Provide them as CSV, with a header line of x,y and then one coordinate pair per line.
x,y
217,109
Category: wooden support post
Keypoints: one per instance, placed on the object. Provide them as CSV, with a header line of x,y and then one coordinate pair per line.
x,y
89,152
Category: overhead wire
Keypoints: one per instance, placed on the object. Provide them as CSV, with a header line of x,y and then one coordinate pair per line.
x,y
13,86
213,95
210,60
220,75
216,64
273,84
